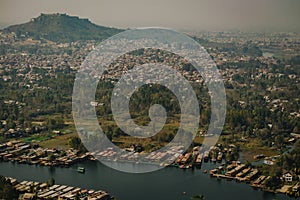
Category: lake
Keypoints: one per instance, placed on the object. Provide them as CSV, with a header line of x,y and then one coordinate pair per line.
x,y
166,184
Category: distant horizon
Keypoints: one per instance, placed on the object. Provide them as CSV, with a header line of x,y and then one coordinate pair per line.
x,y
3,26
191,15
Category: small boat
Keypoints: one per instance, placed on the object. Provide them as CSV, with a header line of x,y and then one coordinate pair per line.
x,y
206,156
93,159
80,169
220,157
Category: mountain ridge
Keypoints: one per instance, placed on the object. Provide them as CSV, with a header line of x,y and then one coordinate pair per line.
x,y
62,28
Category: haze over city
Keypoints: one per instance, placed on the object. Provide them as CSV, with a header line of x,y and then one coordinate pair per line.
x,y
266,15
135,99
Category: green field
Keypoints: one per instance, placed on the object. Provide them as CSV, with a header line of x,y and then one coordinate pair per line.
x,y
58,142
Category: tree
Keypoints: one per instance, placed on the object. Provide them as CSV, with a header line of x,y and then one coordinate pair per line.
x,y
55,123
7,191
273,182
76,143
51,182
51,157
279,141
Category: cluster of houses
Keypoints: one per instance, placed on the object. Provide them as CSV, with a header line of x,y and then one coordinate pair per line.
x,y
19,132
30,190
20,152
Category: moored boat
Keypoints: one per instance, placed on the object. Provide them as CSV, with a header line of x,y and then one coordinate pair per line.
x,y
81,169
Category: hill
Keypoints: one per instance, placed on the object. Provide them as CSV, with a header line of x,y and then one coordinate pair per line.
x,y
62,28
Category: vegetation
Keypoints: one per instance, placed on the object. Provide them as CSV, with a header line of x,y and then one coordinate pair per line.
x,y
51,182
289,161
255,120
76,143
6,190
260,95
58,142
62,28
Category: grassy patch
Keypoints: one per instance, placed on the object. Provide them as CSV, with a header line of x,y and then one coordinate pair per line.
x,y
249,153
37,138
254,147
58,142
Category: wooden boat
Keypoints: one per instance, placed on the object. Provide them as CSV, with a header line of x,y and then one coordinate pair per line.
x,y
80,169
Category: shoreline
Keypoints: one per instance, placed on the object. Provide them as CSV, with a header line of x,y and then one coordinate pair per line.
x,y
105,184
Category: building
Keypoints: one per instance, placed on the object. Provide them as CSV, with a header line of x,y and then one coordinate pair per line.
x,y
287,177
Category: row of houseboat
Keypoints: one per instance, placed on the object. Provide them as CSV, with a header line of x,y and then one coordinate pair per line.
x,y
236,171
22,153
36,190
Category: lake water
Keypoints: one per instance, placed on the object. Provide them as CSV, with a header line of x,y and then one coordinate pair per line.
x,y
166,184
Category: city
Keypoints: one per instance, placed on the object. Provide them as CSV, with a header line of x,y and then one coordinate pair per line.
x,y
43,155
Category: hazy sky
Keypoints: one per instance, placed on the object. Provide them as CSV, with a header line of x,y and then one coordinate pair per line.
x,y
179,14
